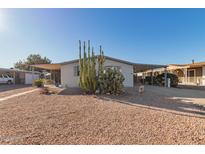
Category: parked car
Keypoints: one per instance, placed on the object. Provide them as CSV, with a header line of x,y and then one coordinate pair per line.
x,y
6,79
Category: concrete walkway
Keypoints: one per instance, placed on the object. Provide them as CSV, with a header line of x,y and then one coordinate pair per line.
x,y
16,95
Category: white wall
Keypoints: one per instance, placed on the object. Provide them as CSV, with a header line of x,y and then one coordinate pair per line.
x,y
126,70
68,78
29,78
203,75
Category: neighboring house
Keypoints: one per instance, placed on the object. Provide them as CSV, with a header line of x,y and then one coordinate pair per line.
x,y
68,72
188,74
191,74
19,76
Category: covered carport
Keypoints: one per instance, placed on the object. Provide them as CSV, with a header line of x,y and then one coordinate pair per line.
x,y
141,68
20,76
53,69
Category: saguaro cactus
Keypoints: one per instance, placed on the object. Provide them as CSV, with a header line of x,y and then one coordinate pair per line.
x,y
87,69
101,61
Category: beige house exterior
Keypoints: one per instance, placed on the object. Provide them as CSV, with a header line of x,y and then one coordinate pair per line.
x,y
70,74
67,73
188,74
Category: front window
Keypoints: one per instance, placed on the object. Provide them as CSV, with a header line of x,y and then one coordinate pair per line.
x,y
76,70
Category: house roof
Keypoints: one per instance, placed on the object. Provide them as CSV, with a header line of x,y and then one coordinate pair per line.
x,y
198,64
192,65
137,66
16,70
106,57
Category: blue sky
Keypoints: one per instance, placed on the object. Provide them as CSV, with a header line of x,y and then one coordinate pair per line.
x,y
156,36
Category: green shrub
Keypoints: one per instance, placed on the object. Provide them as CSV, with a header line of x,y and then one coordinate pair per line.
x,y
173,78
111,81
150,80
38,83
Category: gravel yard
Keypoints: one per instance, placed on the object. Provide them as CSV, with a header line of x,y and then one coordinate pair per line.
x,y
73,118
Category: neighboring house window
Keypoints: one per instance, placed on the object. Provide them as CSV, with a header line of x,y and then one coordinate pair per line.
x,y
76,70
113,67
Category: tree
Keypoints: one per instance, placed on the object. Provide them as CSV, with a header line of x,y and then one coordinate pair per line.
x,y
32,59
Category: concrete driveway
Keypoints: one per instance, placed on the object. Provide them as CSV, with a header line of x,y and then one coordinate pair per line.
x,y
185,95
8,90
179,101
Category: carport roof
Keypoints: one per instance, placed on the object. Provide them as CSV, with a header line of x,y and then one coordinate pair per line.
x,y
137,66
48,66
16,70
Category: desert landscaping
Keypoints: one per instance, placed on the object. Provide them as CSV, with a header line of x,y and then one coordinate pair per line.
x,y
69,117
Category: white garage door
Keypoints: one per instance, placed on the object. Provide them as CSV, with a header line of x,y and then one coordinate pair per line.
x,y
30,77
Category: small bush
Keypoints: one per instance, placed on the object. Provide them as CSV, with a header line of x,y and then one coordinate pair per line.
x,y
38,83
173,78
111,81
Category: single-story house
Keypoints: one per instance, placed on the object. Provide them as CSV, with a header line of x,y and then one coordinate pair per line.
x,y
70,71
67,73
188,74
20,76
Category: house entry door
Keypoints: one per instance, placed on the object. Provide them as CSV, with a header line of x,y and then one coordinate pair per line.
x,y
191,76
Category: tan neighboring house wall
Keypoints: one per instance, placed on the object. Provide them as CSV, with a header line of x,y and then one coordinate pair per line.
x,y
188,74
203,75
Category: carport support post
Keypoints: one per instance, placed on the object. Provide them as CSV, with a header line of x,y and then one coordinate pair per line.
x,y
152,77
165,77
185,74
51,75
54,77
143,77
14,74
32,73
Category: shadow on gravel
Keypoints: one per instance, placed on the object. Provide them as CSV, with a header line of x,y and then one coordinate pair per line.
x,y
4,88
149,99
157,102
